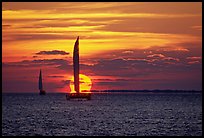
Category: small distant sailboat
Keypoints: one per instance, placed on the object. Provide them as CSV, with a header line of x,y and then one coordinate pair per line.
x,y
77,94
42,92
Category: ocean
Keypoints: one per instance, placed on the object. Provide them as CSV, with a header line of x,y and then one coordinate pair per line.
x,y
132,114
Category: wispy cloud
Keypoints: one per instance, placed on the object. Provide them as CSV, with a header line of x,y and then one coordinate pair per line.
x,y
34,14
194,58
156,56
53,52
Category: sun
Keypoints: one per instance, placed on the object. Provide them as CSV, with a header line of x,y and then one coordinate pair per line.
x,y
85,83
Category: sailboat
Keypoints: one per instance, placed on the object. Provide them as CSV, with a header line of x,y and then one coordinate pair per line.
x,y
42,92
77,93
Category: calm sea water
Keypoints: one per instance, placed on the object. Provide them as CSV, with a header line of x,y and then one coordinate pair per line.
x,y
104,115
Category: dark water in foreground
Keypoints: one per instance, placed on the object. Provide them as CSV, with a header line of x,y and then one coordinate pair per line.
x,y
105,114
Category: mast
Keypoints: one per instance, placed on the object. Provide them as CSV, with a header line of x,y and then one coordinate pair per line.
x,y
40,81
76,65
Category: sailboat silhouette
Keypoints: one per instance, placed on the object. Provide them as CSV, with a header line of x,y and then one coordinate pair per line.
x,y
77,93
40,85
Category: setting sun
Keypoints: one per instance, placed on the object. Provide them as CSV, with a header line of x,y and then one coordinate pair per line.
x,y
85,83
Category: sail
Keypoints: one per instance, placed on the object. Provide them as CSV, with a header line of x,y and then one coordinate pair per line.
x,y
40,81
76,65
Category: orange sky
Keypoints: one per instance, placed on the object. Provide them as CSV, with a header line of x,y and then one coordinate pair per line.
x,y
104,28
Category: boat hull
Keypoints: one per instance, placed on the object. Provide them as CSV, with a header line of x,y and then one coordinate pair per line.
x,y
42,92
78,96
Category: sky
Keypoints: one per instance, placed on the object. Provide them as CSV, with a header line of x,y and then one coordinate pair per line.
x,y
123,45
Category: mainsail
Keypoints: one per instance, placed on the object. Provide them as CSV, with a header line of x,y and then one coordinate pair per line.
x,y
76,65
40,81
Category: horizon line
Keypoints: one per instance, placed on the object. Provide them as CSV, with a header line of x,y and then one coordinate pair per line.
x,y
117,91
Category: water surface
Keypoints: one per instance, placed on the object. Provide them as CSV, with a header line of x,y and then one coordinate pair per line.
x,y
104,115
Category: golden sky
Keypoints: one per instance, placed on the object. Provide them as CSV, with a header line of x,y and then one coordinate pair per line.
x,y
29,28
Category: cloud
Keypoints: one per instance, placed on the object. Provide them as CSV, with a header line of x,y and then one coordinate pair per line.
x,y
6,26
172,49
38,62
194,58
55,76
159,58
156,56
171,59
34,14
167,26
124,63
53,52
120,69
141,63
128,52
194,62
199,27
127,7
35,56
42,35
